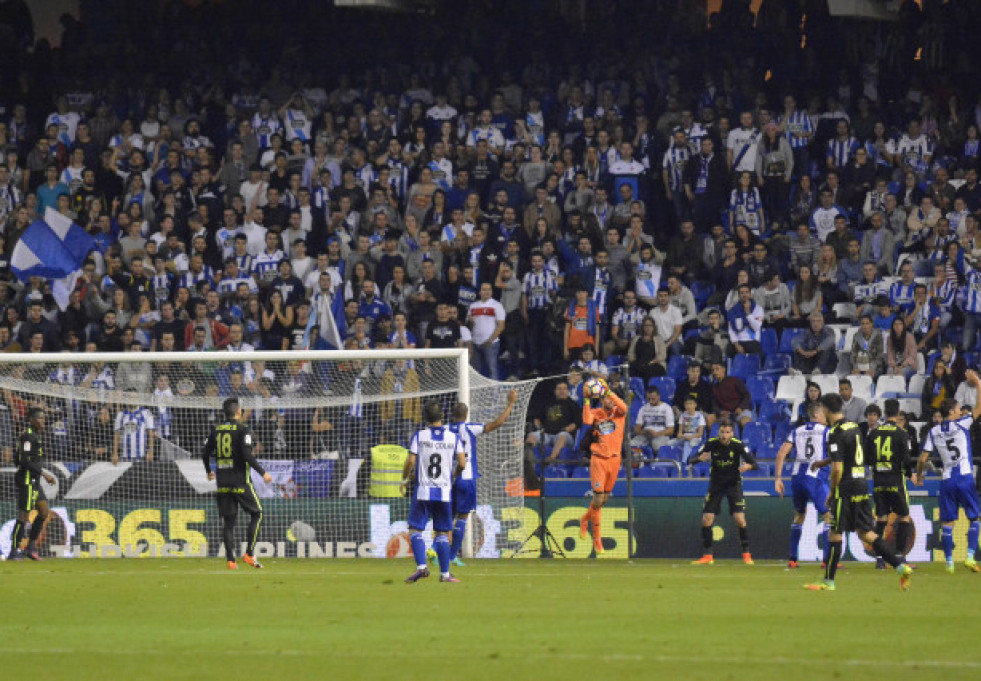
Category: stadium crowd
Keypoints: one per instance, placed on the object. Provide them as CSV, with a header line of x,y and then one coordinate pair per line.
x,y
721,210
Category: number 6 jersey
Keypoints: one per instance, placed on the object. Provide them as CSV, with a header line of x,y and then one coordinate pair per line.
x,y
952,441
809,446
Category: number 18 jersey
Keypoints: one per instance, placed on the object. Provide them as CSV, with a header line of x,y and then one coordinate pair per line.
x,y
435,449
952,440
809,446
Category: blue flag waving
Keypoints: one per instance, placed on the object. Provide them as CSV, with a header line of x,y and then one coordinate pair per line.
x,y
53,248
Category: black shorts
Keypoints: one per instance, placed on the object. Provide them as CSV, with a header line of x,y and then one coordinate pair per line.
x,y
852,513
891,499
28,495
734,493
231,498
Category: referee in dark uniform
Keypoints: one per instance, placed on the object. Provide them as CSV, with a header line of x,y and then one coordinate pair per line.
x,y
889,444
848,501
730,459
30,496
231,443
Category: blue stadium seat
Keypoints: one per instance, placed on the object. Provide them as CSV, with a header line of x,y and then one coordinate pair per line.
x,y
637,388
760,389
678,367
645,472
781,431
614,362
767,452
701,469
580,472
955,334
701,291
756,435
663,470
556,472
764,471
635,404
745,366
776,365
769,341
665,385
641,453
787,339
669,453
772,411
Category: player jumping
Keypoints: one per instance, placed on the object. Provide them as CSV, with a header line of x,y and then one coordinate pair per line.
x,y
952,440
465,486
436,458
608,423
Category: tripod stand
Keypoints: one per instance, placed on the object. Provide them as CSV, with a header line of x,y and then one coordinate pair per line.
x,y
550,545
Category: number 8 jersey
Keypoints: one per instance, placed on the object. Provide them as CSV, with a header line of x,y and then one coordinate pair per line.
x,y
435,449
952,440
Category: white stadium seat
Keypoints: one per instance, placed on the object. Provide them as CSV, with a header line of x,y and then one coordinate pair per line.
x,y
890,384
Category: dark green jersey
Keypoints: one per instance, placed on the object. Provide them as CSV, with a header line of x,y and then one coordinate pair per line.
x,y
28,456
888,446
726,459
231,444
845,445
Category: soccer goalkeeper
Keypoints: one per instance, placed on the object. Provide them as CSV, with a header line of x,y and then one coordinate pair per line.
x,y
608,422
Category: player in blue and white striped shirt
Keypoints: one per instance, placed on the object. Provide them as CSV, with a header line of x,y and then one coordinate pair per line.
x,y
969,297
538,290
901,292
807,483
134,433
465,486
673,170
952,440
266,264
436,459
841,147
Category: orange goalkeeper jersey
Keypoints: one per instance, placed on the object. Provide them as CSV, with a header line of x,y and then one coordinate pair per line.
x,y
608,426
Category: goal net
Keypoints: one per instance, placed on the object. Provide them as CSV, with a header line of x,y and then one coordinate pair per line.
x,y
125,431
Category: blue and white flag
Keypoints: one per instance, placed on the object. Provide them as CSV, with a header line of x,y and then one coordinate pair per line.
x,y
53,248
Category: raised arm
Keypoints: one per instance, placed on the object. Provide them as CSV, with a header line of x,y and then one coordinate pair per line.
x,y
505,413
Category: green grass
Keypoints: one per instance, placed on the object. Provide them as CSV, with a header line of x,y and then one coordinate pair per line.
x,y
510,620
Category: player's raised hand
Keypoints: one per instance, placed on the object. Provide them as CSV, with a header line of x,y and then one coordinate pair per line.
x,y
778,486
512,396
267,478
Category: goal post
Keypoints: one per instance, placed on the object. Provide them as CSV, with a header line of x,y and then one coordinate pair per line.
x,y
125,430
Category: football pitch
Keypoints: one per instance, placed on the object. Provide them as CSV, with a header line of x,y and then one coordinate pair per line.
x,y
508,619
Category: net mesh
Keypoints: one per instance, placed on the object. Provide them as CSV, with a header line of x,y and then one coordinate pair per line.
x,y
123,440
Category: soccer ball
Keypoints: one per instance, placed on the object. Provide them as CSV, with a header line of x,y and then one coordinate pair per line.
x,y
594,389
